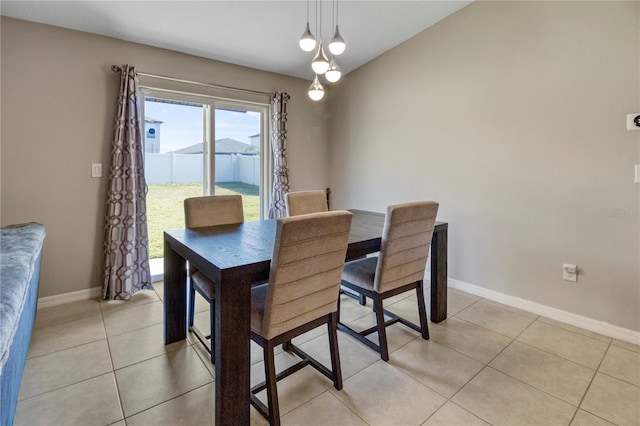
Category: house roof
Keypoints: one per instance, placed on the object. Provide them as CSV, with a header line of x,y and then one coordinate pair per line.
x,y
227,145
191,149
223,146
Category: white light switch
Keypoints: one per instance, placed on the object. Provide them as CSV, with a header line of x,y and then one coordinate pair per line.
x,y
96,170
637,173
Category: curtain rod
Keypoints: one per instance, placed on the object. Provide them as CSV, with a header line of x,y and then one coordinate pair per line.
x,y
116,68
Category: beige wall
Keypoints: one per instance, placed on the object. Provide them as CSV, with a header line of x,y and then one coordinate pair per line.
x,y
58,100
512,116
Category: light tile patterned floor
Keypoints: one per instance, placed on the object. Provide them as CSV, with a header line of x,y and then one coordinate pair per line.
x,y
98,363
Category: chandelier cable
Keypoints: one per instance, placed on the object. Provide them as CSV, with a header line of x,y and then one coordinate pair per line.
x,y
319,37
320,30
333,13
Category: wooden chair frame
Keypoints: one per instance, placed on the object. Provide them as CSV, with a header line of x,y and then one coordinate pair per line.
x,y
382,348
272,411
208,341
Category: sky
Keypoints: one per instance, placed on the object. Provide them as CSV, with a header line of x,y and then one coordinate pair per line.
x,y
182,124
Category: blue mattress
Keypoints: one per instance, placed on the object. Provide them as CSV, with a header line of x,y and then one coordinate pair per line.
x,y
20,256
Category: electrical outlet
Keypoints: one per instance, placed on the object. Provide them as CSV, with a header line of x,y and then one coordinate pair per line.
x,y
569,272
96,170
633,121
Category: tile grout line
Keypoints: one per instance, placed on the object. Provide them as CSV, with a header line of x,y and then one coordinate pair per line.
x,y
556,355
489,362
328,391
348,408
450,399
565,359
113,370
163,402
584,395
611,345
486,365
65,349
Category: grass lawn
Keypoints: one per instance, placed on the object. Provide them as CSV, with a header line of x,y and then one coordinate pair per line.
x,y
165,208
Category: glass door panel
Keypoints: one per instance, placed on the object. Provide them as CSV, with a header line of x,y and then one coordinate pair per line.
x,y
181,161
173,164
238,163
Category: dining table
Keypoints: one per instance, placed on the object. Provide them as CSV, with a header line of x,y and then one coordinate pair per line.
x,y
236,256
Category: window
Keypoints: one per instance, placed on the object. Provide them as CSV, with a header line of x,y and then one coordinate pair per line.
x,y
198,144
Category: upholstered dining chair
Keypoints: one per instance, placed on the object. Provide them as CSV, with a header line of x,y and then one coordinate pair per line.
x,y
302,294
304,202
400,267
200,212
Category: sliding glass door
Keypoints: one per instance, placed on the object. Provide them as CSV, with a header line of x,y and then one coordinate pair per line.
x,y
198,145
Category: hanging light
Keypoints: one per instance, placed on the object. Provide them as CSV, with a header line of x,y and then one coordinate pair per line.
x,y
337,44
333,74
316,91
320,63
307,40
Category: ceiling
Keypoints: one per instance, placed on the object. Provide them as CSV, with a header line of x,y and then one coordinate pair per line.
x,y
256,34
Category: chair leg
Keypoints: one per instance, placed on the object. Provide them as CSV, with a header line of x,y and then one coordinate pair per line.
x,y
212,325
362,300
422,311
192,303
335,354
382,333
272,390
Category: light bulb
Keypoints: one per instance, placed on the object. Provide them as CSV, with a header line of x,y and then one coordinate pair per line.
x,y
337,44
320,63
307,40
316,91
333,74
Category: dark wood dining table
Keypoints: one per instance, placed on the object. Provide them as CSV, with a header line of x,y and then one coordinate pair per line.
x,y
234,257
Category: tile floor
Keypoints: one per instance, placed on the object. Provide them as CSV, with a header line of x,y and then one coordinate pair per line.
x,y
98,363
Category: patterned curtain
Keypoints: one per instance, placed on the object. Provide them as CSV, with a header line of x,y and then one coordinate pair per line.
x,y
126,244
278,142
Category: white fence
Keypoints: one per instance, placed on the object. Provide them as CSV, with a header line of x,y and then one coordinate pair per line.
x,y
187,168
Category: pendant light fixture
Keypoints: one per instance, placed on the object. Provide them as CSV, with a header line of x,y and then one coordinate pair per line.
x,y
320,64
316,91
333,74
307,40
337,44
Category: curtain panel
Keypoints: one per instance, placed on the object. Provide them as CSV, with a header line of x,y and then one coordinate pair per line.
x,y
126,243
278,143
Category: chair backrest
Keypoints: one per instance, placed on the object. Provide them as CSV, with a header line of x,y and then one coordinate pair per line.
x,y
305,202
213,210
406,238
306,268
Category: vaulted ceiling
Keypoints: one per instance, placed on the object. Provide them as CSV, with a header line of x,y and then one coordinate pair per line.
x,y
256,34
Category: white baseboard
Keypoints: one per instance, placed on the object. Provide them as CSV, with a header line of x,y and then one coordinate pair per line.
x,y
596,326
74,296
549,312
